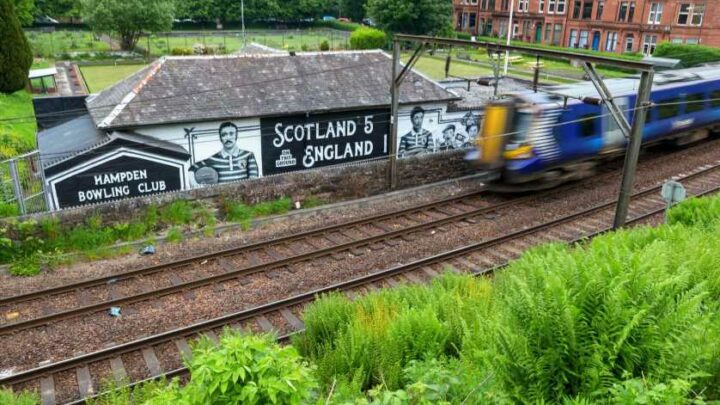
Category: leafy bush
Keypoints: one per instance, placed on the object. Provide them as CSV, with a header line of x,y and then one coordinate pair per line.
x,y
367,38
181,51
324,46
9,210
7,397
690,55
235,211
174,235
242,370
464,35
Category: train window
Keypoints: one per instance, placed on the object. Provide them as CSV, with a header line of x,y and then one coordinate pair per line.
x,y
668,108
588,125
694,102
715,98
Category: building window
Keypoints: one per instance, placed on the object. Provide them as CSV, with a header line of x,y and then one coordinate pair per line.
x,y
523,6
650,44
655,16
684,14
473,19
560,6
692,41
601,6
587,10
557,34
548,32
541,6
505,5
515,30
611,41
698,14
551,6
583,43
622,11
676,40
573,39
576,9
629,43
631,12
502,30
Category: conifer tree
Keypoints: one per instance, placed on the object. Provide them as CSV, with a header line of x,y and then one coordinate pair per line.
x,y
15,55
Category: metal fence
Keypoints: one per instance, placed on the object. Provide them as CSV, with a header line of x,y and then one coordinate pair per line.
x,y
22,183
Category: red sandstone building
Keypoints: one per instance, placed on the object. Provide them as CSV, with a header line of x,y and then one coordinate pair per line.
x,y
604,25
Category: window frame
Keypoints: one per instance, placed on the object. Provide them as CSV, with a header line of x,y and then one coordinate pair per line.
x,y
691,102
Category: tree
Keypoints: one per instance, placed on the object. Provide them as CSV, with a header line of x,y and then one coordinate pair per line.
x,y
423,17
58,8
24,10
129,19
15,55
354,9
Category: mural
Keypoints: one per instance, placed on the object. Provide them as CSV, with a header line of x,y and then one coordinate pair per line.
x,y
231,163
433,130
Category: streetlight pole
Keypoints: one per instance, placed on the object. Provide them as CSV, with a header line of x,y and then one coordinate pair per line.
x,y
242,18
509,35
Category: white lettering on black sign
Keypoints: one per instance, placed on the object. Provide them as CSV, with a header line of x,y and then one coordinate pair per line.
x,y
304,142
119,178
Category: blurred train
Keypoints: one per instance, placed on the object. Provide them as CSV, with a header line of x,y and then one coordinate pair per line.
x,y
536,140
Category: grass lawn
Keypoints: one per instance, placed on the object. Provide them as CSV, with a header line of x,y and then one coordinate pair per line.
x,y
98,78
52,44
289,40
17,136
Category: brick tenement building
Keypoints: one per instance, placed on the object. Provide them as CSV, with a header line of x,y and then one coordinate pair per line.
x,y
604,25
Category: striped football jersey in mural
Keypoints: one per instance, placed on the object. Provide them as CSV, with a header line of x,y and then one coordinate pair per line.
x,y
237,165
414,143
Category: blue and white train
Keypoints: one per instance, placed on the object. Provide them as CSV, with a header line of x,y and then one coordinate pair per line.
x,y
553,136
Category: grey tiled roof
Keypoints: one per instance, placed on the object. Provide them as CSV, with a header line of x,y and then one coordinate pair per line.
x,y
187,89
65,140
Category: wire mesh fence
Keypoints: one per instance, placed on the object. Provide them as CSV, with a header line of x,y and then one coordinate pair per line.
x,y
22,185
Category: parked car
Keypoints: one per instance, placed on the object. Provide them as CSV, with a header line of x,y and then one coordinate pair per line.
x,y
328,18
369,22
44,19
344,19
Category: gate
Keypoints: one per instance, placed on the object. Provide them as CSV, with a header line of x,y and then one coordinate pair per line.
x,y
22,183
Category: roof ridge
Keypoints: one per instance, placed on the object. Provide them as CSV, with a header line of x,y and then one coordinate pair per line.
x,y
132,94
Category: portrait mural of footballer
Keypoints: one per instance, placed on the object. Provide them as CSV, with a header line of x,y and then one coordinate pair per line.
x,y
236,159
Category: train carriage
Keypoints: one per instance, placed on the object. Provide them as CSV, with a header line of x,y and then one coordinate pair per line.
x,y
543,139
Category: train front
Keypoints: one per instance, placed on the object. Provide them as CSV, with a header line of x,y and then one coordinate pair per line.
x,y
505,145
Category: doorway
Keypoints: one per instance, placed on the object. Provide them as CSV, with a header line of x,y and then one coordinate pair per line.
x,y
596,41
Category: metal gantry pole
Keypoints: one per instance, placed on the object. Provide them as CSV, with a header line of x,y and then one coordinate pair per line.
x,y
395,104
633,150
242,18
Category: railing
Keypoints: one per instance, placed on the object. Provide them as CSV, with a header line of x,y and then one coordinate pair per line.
x,y
22,183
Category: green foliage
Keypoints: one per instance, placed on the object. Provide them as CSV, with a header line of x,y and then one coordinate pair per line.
x,y
690,55
324,46
128,18
121,394
242,370
697,212
178,212
380,334
181,51
367,38
339,25
235,211
354,9
7,397
24,11
431,17
15,54
9,210
174,235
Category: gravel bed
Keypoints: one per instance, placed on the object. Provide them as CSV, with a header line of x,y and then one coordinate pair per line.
x,y
96,331
168,252
169,356
66,386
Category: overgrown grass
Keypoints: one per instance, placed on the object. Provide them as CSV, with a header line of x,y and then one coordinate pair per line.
x,y
631,317
17,124
8,398
237,211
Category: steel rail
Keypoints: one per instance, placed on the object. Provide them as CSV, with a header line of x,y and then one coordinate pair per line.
x,y
205,326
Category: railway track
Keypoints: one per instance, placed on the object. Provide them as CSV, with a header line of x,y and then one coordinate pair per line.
x,y
283,316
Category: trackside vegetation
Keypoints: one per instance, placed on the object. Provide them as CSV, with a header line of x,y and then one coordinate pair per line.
x,y
31,246
631,317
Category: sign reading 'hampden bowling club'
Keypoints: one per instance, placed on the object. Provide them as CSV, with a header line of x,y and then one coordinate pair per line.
x,y
121,177
301,142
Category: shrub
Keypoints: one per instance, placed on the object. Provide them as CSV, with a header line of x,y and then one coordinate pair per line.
x,y
325,46
464,36
697,212
174,235
367,38
242,370
181,51
9,209
178,212
690,55
304,48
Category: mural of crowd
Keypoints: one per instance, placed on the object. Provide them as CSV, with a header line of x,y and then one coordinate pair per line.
x,y
455,134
